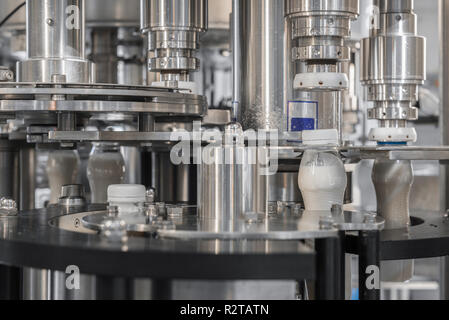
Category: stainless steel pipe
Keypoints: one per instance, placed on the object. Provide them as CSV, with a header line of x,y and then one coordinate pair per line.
x,y
262,103
55,42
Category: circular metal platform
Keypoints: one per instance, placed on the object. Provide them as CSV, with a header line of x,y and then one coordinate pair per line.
x,y
33,239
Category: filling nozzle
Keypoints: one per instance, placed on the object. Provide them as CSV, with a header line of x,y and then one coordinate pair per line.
x,y
173,29
391,49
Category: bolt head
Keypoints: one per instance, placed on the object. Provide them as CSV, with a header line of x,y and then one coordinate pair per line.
x,y
114,230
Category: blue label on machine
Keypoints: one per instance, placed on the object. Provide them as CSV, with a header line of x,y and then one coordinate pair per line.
x,y
302,115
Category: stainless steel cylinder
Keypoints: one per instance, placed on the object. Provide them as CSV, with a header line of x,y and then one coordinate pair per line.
x,y
393,62
220,186
173,28
220,178
319,27
55,42
393,181
318,32
262,101
99,13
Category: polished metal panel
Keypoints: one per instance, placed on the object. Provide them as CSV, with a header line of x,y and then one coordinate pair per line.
x,y
55,42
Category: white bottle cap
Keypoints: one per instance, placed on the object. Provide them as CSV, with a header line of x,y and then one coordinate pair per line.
x,y
130,193
320,137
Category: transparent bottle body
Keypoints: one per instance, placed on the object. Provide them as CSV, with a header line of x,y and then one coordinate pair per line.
x,y
105,167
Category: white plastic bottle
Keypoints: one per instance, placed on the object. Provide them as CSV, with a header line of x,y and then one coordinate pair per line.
x,y
322,177
105,167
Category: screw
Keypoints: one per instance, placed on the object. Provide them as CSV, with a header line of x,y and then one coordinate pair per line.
x,y
50,22
150,195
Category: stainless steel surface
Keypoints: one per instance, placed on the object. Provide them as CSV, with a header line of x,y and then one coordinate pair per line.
x,y
220,186
221,179
283,186
393,63
262,103
55,42
27,167
317,34
99,13
72,196
173,28
236,45
36,284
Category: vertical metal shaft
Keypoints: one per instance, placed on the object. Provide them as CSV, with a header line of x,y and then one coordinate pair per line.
x,y
237,59
262,65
